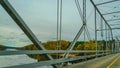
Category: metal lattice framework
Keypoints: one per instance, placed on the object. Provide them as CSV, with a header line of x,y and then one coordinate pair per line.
x,y
50,61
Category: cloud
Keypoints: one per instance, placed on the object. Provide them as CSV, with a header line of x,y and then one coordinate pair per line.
x,y
41,17
13,39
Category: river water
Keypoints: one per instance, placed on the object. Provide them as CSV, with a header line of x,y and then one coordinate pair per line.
x,y
12,60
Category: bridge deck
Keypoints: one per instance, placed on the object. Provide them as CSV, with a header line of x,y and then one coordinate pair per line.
x,y
103,62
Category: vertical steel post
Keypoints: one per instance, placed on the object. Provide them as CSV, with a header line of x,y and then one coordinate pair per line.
x,y
106,38
109,38
102,34
84,21
95,32
119,46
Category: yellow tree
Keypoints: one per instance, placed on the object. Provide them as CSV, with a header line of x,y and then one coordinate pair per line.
x,y
79,47
90,45
64,44
49,45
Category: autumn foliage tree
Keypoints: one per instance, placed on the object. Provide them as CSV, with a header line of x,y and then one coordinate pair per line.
x,y
53,45
2,47
49,45
62,45
90,45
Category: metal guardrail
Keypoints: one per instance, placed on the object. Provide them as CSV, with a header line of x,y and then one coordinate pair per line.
x,y
47,51
55,61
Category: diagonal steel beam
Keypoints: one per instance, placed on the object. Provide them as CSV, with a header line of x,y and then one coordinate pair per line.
x,y
106,2
19,21
79,32
74,41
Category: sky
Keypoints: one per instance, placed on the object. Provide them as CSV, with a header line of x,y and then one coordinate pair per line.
x,y
41,18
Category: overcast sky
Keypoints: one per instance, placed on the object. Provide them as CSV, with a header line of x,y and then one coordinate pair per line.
x,y
41,17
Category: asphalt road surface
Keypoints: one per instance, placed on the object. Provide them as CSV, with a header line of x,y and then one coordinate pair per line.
x,y
110,61
116,63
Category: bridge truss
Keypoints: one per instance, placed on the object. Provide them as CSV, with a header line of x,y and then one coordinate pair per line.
x,y
106,27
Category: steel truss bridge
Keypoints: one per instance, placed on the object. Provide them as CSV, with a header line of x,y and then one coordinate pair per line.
x,y
106,26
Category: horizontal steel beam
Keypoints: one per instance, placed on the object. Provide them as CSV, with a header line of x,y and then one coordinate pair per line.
x,y
106,2
112,20
44,63
116,28
108,29
114,24
111,13
47,51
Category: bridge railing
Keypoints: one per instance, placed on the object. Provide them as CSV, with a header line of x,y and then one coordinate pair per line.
x,y
18,52
54,61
